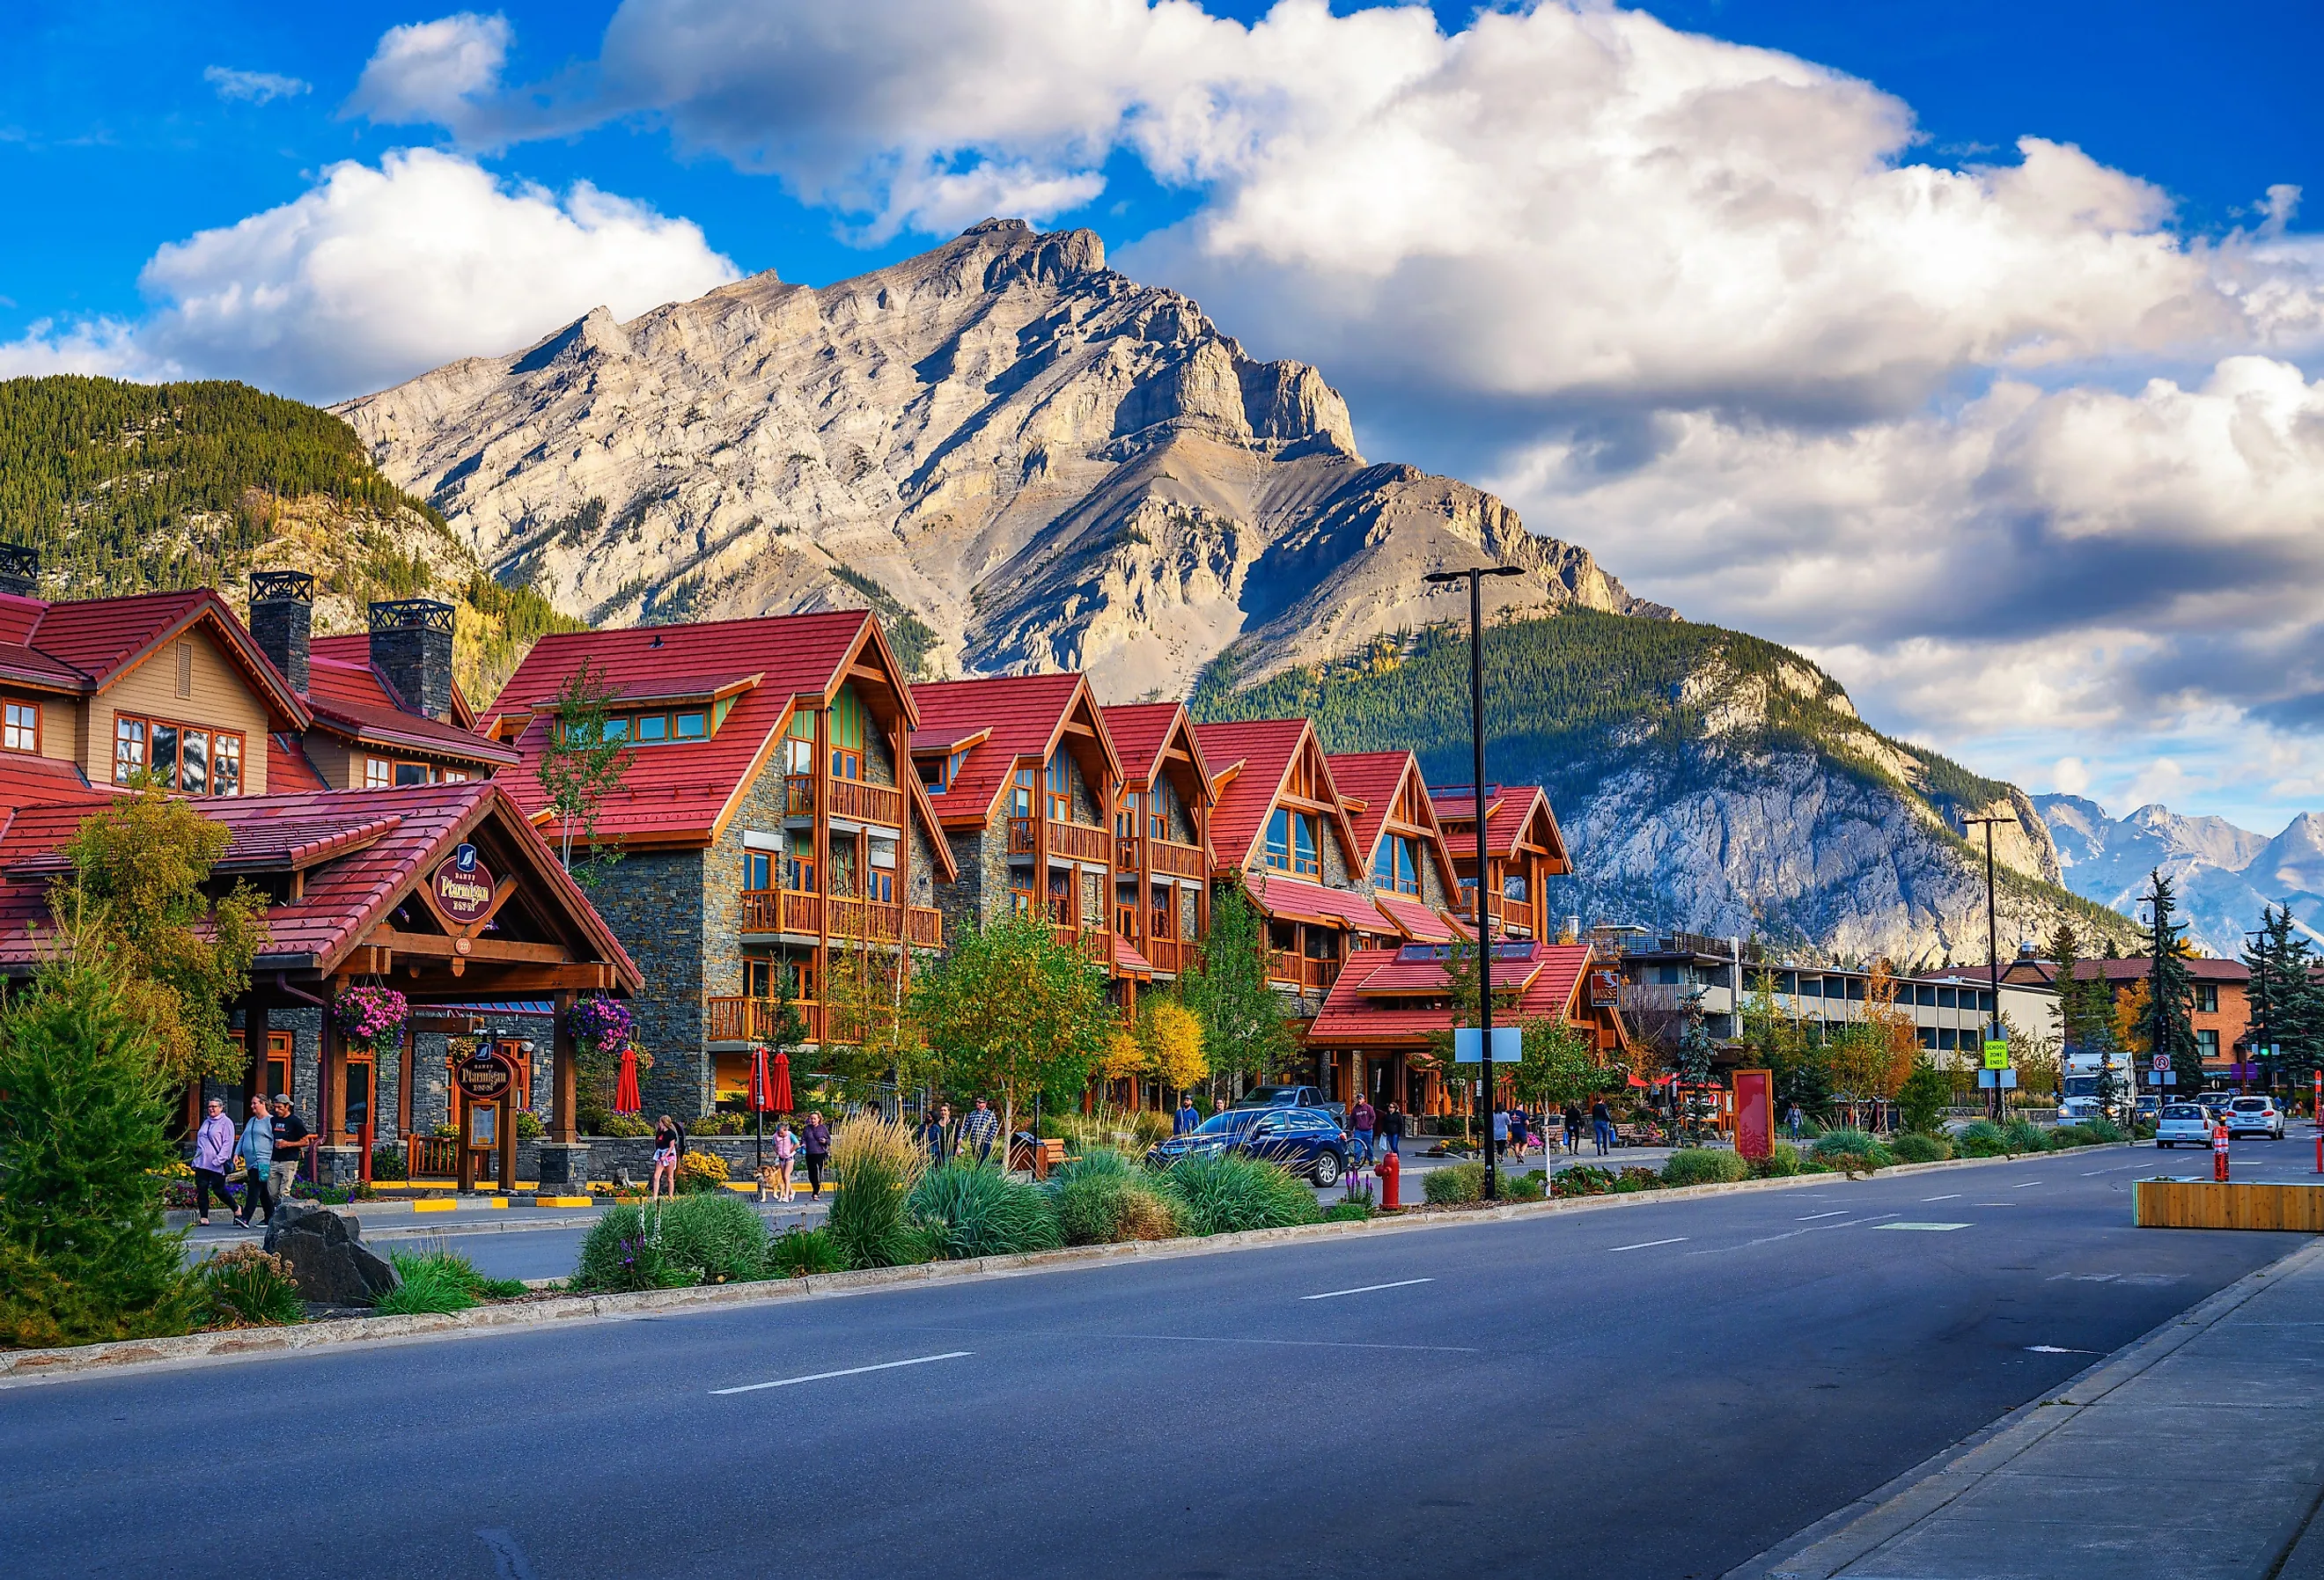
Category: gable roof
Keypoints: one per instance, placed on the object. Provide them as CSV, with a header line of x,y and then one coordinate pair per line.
x,y
687,791
87,644
1362,1006
355,652
1285,898
1020,715
350,698
1377,779
1513,812
1256,757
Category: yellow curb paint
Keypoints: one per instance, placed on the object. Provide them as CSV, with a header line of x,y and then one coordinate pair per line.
x,y
498,1201
433,1206
562,1201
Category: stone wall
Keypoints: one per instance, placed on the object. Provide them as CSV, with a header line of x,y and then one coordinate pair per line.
x,y
655,901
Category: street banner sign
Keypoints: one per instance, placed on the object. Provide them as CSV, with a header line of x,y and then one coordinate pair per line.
x,y
1469,1044
2004,1079
1997,1054
1754,1113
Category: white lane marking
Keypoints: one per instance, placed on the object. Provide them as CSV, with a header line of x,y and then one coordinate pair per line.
x,y
1789,1235
509,1562
1650,1245
846,1372
2027,1186
2054,1350
2088,1174
1955,1197
1936,1227
1835,1213
1367,1288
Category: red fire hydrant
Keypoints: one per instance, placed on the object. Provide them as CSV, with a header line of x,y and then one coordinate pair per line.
x,y
1391,1170
2219,1152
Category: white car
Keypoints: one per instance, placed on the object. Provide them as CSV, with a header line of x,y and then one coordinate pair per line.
x,y
2254,1116
2183,1123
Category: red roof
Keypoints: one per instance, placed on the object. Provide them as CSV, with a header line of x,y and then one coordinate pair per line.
x,y
1377,779
289,770
1416,920
1553,975
2201,968
352,699
355,652
1128,961
1296,900
86,644
26,781
1512,811
1141,731
1027,715
1263,748
370,847
686,789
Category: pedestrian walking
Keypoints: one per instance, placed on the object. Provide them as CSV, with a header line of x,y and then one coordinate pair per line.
x,y
1518,1134
213,1156
1500,1131
1392,1132
1188,1118
1572,1131
669,1146
979,1129
290,1136
815,1146
1218,1106
935,1135
1601,1121
1791,1120
1362,1120
786,1149
257,1144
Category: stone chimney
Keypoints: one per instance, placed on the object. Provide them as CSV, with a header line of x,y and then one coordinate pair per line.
x,y
412,646
283,620
19,571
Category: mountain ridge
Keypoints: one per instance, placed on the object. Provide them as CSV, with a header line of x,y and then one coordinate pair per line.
x,y
2225,874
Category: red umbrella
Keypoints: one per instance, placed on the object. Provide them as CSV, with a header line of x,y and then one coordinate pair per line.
x,y
779,1099
763,1088
625,1090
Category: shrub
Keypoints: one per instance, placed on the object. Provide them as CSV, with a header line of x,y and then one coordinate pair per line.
x,y
2107,1130
2067,1135
699,1171
621,1253
1634,1177
1096,1163
799,1251
878,1162
1915,1148
1223,1194
597,1121
1355,1210
976,1210
1924,1096
1462,1182
1099,1200
424,1288
1525,1187
249,1287
390,1164
2020,1135
1980,1139
1834,1144
1581,1179
1702,1166
716,1238
1782,1161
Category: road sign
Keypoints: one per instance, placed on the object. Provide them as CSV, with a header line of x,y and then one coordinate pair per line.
x,y
1469,1041
2161,1062
2004,1079
1996,1055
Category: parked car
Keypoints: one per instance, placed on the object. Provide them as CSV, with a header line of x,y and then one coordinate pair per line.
x,y
1306,1141
2184,1123
2214,1103
2249,1116
1278,1097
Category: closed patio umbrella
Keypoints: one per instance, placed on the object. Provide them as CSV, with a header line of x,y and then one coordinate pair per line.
x,y
625,1089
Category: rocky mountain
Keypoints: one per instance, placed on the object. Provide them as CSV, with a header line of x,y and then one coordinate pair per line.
x,y
2226,875
1705,780
1024,459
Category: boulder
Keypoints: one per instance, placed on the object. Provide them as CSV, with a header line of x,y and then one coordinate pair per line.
x,y
326,1258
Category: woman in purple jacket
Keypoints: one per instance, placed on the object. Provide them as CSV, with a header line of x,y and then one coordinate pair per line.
x,y
213,1156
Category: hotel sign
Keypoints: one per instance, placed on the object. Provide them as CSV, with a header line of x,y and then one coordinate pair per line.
x,y
485,1078
462,886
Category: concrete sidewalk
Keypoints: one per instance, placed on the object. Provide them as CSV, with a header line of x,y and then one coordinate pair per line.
x,y
2191,1454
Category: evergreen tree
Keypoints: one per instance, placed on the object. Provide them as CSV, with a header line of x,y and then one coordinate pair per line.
x,y
1242,1016
2286,1000
2168,1024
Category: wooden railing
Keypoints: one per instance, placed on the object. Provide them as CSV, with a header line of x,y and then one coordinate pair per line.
x,y
1020,836
434,1156
1169,955
1079,841
845,798
1299,971
785,910
1163,857
736,1018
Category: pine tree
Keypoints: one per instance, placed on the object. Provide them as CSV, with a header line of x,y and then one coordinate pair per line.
x,y
1243,1024
2168,1024
2286,1001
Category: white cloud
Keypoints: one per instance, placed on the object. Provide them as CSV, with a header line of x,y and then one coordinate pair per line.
x,y
253,86
102,346
433,72
378,273
2070,776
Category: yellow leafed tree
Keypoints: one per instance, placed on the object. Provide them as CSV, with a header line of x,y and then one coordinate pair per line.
x,y
1170,1037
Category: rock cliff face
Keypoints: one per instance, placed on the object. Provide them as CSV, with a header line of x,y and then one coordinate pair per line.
x,y
2226,875
1047,464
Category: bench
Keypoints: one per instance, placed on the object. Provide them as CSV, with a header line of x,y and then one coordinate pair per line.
x,y
1631,1135
1040,1157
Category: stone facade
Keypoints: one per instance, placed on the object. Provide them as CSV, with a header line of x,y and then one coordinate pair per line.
x,y
655,901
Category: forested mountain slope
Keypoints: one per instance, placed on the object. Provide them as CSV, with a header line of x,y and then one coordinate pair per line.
x,y
127,488
1705,779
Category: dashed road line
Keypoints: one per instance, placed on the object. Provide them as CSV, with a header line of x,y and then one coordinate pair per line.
x,y
1835,1213
1650,1245
1367,1288
844,1372
1955,1197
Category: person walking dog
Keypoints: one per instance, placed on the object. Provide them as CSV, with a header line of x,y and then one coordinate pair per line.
x,y
257,1144
213,1156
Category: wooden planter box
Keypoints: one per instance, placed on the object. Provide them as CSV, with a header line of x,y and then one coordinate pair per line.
x,y
2203,1204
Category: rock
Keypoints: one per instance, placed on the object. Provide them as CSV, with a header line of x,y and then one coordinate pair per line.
x,y
330,1263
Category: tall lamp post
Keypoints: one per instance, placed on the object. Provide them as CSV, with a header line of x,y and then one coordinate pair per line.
x,y
1992,939
1473,576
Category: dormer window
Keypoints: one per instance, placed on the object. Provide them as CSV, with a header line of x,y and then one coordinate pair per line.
x,y
23,727
1294,843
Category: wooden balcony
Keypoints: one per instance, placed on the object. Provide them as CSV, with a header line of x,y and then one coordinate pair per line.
x,y
1020,836
783,910
1164,858
1300,970
736,1018
1078,841
844,797
1168,955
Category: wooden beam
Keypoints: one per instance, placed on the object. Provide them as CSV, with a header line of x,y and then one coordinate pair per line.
x,y
434,947
585,978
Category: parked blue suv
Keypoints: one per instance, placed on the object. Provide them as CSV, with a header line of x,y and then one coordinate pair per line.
x,y
1305,1140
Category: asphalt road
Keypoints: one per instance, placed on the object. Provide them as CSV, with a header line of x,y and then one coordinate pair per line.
x,y
1663,1390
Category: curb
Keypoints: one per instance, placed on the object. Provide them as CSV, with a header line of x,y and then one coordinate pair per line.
x,y
21,1367
1849,1533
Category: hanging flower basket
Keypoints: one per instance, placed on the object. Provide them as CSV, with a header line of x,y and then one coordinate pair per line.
x,y
372,1017
602,1025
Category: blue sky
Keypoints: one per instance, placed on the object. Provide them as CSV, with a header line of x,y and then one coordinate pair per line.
x,y
2018,509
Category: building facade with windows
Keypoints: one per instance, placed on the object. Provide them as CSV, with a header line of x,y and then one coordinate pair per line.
x,y
1524,848
1161,835
2222,1019
1399,843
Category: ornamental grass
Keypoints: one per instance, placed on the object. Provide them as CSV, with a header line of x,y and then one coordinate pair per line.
x,y
801,1251
436,1280
1703,1166
249,1288
974,1209
713,1239
1101,1200
622,1254
1226,1195
878,1162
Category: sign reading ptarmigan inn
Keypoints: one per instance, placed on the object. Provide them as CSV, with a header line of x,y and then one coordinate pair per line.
x,y
463,885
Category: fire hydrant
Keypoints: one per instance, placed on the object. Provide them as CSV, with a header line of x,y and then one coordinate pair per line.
x,y
2219,1152
1391,1170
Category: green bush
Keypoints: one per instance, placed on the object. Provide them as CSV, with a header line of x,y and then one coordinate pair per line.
x,y
621,1253
1981,1138
1782,1161
1834,1144
1224,1195
1100,1207
1923,1097
1354,1210
2107,1130
714,1237
1097,1162
1915,1148
2064,1136
800,1252
1463,1182
1581,1179
1702,1166
2020,1136
1524,1186
83,1254
974,1209
249,1287
1635,1177
390,1164
424,1286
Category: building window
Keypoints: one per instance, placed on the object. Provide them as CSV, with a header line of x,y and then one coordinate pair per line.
x,y
798,875
2206,998
1125,821
1292,839
1515,889
763,978
690,726
2206,1045
1060,788
395,774
23,727
936,773
1398,867
851,724
190,759
1020,794
758,869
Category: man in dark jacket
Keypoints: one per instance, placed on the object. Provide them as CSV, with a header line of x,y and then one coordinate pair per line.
x,y
1187,1118
935,1135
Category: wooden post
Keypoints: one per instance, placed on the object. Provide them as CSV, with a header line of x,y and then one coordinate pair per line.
x,y
254,1045
507,1123
404,1081
565,1094
464,1160
331,1085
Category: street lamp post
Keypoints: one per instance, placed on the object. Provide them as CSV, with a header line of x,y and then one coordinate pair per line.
x,y
1992,941
1473,576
